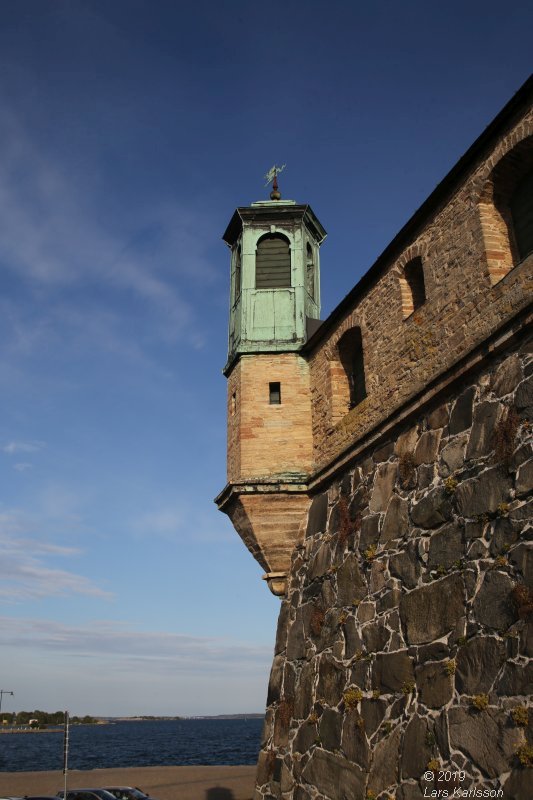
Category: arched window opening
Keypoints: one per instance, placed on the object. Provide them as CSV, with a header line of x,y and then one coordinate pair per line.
x,y
238,273
273,262
521,206
310,271
506,211
350,349
412,286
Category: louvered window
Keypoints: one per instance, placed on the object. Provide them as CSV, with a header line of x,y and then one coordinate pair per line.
x,y
273,263
521,205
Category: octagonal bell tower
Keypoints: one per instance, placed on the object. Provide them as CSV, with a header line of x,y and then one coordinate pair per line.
x,y
274,308
275,276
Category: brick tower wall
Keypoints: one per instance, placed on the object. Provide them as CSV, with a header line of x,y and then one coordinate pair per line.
x,y
266,440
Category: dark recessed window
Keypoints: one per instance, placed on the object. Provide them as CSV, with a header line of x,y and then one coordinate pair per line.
x,y
350,350
521,205
274,393
415,294
273,262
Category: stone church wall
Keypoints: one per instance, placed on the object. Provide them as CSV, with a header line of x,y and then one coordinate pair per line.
x,y
403,354
402,642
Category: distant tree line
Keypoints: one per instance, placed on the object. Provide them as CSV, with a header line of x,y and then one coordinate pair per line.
x,y
41,718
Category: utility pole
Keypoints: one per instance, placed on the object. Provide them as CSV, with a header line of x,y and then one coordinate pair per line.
x,y
2,693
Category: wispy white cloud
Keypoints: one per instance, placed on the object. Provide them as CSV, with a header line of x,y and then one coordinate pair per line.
x,y
129,648
24,571
22,466
184,519
54,236
22,447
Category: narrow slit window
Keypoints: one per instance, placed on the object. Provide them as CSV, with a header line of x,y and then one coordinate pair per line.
x,y
274,390
412,285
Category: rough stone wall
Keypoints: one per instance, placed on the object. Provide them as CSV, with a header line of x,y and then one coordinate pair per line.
x,y
403,643
465,302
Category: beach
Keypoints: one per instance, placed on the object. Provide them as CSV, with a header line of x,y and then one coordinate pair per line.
x,y
163,783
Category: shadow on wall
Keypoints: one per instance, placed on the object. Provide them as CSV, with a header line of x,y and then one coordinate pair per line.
x,y
219,793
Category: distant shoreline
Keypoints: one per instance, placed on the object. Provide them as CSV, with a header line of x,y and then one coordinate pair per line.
x,y
112,720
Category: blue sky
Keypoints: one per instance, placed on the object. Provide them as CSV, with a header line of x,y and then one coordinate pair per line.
x,y
129,132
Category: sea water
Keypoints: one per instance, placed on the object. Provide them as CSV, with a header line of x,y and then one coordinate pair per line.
x,y
135,744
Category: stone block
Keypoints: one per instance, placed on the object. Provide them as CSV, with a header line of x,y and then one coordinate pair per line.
x,y
334,776
330,729
392,672
373,713
493,605
320,563
304,699
435,685
276,677
305,737
406,565
354,742
433,509
517,679
296,636
396,522
384,771
369,531
478,662
504,534
351,584
507,376
445,547
523,399
439,417
453,455
352,638
461,416
406,442
375,636
384,481
524,478
522,557
483,493
427,447
485,737
416,752
429,612
331,680
481,441
318,513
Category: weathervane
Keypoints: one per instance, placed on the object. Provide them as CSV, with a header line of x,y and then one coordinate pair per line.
x,y
272,176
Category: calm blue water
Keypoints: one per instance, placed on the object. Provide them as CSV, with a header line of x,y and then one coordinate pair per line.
x,y
136,744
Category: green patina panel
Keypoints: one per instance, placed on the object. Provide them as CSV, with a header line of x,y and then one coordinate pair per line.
x,y
265,317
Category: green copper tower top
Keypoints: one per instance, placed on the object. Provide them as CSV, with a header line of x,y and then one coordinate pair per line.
x,y
275,275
